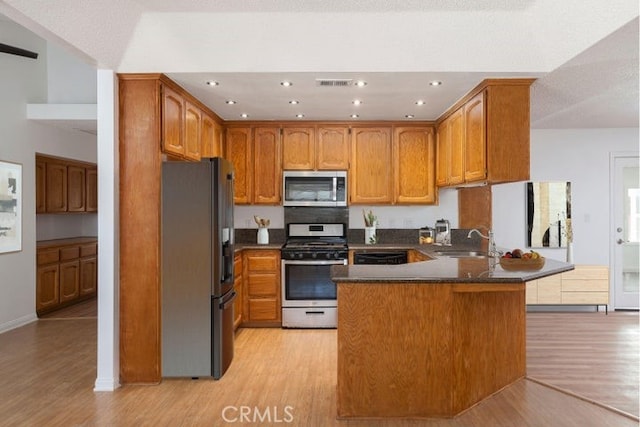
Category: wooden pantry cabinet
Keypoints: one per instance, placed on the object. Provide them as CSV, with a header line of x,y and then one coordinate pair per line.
x,y
66,272
261,273
485,136
65,185
315,148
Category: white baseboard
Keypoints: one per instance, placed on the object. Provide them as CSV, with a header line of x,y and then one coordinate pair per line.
x,y
106,384
16,323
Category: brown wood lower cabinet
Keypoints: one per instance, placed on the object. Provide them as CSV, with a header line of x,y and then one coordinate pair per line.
x,y
67,272
239,288
261,273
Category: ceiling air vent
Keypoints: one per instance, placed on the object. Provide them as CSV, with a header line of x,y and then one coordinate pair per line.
x,y
334,82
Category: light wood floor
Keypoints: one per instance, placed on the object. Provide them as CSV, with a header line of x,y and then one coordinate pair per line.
x,y
47,370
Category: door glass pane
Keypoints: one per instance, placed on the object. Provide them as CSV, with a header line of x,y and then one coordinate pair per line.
x,y
630,255
309,282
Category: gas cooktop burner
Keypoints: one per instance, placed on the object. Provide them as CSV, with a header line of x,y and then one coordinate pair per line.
x,y
315,241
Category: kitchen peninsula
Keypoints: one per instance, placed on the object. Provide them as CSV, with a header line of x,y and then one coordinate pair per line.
x,y
429,339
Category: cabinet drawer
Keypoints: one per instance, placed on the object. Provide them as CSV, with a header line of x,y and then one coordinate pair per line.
x,y
48,256
265,263
262,285
88,250
264,309
585,285
584,272
72,252
585,298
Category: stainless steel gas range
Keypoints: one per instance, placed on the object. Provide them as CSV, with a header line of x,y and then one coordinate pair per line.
x,y
308,293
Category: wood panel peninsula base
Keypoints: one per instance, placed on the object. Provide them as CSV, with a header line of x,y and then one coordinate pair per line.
x,y
423,349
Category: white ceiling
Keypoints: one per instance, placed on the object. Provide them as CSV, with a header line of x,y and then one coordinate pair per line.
x,y
583,52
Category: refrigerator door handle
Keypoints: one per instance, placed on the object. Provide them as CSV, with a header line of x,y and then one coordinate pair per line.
x,y
227,263
229,301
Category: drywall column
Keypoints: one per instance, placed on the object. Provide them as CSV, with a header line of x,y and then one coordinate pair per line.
x,y
108,234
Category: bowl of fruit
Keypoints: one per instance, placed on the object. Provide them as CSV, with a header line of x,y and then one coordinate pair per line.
x,y
517,260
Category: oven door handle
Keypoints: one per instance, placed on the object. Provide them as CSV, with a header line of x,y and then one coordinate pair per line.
x,y
318,262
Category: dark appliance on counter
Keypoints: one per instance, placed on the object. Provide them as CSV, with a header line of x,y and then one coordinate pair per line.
x,y
197,268
380,257
308,293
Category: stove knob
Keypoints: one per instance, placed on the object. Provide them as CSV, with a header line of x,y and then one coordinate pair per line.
x,y
299,255
314,255
328,255
336,255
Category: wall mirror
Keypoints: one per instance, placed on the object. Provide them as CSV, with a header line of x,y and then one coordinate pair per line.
x,y
548,214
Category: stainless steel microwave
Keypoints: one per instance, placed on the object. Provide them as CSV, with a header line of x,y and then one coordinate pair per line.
x,y
309,188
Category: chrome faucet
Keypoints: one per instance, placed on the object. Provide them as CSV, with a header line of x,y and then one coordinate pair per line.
x,y
493,251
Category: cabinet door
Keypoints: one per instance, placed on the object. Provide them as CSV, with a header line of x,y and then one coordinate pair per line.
x,y
41,187
211,137
172,122
414,161
443,154
88,276
238,152
69,281
192,138
298,149
47,287
475,161
267,170
56,187
333,148
371,166
92,190
76,188
456,135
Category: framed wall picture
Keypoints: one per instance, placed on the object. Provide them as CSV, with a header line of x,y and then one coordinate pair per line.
x,y
548,214
10,207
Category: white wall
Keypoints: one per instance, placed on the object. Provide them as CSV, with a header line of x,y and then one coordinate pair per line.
x,y
24,81
580,156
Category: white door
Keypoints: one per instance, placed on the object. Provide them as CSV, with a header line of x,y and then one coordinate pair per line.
x,y
626,232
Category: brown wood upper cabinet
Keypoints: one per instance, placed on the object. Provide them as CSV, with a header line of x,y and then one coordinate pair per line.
x,y
172,122
211,132
493,124
315,148
414,165
65,185
370,175
188,131
256,157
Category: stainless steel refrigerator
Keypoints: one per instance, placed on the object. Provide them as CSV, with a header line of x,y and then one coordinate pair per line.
x,y
197,268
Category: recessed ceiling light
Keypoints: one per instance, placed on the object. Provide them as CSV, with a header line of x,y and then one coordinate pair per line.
x,y
435,83
408,116
230,101
354,116
419,102
357,102
286,83
244,115
361,83
213,83
294,102
299,116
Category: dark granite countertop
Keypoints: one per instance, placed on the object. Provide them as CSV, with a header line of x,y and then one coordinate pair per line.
x,y
444,270
69,241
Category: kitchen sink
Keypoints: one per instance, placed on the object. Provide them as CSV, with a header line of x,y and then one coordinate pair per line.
x,y
461,254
